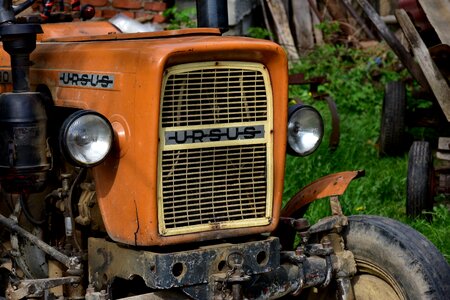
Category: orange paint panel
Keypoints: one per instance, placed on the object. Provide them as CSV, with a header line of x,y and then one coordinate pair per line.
x,y
126,182
75,29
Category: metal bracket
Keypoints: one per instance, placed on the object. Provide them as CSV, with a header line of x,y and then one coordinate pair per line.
x,y
35,287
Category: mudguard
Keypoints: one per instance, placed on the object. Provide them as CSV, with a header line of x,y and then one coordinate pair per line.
x,y
329,185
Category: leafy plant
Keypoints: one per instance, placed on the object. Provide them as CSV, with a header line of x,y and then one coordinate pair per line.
x,y
178,19
330,29
259,33
356,79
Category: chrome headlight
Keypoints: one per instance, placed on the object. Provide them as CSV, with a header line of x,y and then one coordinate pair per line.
x,y
305,130
86,138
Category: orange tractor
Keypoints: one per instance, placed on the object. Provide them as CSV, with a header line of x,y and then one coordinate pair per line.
x,y
151,166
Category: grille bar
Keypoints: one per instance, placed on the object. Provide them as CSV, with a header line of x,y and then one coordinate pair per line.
x,y
217,185
214,96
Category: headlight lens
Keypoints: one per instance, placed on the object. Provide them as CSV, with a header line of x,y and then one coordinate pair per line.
x,y
305,130
86,138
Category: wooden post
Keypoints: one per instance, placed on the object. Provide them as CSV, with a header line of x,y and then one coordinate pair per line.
x,y
338,13
284,34
358,19
318,35
266,18
303,24
406,59
434,77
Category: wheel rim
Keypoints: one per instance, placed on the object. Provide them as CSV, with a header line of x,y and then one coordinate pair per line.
x,y
372,282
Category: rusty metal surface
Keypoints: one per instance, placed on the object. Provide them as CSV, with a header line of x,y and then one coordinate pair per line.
x,y
300,79
443,184
335,124
225,271
330,185
60,37
416,12
336,209
72,263
328,223
36,287
177,269
438,14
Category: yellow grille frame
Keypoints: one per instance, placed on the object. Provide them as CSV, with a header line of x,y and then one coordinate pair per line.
x,y
258,118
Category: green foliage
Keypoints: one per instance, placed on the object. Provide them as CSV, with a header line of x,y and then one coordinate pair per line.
x,y
178,19
356,81
259,33
330,29
437,230
354,76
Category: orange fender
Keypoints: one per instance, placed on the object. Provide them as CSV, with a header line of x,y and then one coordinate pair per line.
x,y
329,185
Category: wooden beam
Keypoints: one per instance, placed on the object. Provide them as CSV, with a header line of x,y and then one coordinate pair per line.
x,y
303,24
438,13
406,59
266,19
338,13
358,19
434,77
284,34
318,35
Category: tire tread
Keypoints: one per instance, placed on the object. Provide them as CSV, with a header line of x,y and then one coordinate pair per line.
x,y
404,252
392,128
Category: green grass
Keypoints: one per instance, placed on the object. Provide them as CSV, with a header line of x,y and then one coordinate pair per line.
x,y
357,84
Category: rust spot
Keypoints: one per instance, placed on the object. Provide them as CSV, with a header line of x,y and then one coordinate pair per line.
x,y
215,226
152,268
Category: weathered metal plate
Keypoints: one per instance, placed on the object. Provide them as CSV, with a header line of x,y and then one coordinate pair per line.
x,y
165,270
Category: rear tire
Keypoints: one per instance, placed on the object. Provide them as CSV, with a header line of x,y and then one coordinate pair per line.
x,y
392,127
393,262
420,191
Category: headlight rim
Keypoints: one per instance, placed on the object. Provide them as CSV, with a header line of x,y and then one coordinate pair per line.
x,y
291,111
64,147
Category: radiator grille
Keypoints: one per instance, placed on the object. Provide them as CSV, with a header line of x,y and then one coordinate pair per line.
x,y
214,96
215,185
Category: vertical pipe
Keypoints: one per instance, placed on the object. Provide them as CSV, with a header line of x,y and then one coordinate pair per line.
x,y
19,40
6,11
212,13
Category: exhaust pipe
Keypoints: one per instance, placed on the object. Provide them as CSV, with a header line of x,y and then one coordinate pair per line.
x,y
212,13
